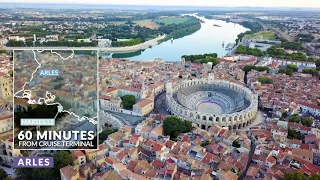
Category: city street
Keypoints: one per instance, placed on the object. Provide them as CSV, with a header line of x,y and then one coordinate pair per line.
x,y
126,118
160,104
259,119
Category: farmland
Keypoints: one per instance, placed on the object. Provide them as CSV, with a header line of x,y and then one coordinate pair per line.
x,y
148,24
172,20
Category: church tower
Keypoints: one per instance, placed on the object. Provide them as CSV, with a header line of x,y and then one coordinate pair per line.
x,y
210,77
169,88
183,62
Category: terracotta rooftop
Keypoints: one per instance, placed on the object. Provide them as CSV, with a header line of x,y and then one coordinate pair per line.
x,y
69,172
144,102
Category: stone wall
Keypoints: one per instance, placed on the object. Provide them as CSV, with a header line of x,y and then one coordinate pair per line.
x,y
107,119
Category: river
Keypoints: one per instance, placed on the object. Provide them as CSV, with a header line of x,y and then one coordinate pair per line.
x,y
208,39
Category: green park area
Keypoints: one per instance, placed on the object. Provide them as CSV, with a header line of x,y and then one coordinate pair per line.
x,y
172,20
266,35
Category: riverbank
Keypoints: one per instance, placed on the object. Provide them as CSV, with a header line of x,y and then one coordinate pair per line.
x,y
142,46
126,49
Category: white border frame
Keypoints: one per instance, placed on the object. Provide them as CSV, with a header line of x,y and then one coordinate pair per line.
x,y
62,49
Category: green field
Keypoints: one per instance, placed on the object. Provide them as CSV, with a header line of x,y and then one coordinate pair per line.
x,y
172,20
147,23
267,35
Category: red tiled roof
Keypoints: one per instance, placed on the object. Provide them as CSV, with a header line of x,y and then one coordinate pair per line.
x,y
6,117
132,164
110,160
310,105
69,172
122,155
111,90
78,153
310,137
169,143
128,88
157,163
144,102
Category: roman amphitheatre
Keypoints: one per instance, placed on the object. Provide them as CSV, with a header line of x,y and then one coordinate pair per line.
x,y
207,102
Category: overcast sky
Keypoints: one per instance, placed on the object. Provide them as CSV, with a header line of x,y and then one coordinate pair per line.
x,y
255,3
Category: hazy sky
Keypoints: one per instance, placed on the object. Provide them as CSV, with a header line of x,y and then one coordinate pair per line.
x,y
256,3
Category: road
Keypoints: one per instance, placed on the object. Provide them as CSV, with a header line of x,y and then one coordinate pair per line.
x,y
127,119
160,104
144,45
259,119
252,148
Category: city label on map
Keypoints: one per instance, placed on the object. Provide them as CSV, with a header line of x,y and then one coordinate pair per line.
x,y
37,122
49,72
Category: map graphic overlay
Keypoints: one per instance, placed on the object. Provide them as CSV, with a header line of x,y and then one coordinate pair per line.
x,y
55,99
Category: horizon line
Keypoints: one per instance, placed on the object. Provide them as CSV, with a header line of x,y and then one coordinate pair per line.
x,y
158,5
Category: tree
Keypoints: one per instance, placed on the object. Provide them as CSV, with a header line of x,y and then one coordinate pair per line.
x,y
107,80
250,51
29,43
313,72
292,45
61,159
3,51
100,57
173,126
305,37
25,153
3,174
294,118
265,80
293,67
307,121
257,68
236,144
284,114
37,43
128,101
294,176
252,25
314,177
288,72
318,63
126,43
292,134
104,134
205,143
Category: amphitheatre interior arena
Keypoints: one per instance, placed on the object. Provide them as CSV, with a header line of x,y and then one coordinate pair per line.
x,y
210,107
